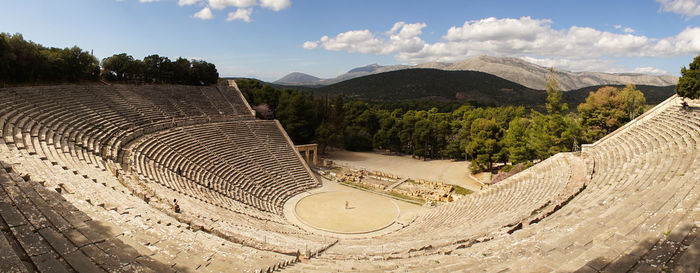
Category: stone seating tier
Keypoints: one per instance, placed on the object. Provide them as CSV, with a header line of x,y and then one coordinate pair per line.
x,y
60,128
258,171
638,210
639,213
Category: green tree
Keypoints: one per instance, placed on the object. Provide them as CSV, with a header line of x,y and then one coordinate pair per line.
x,y
550,134
266,95
27,61
120,67
543,135
357,138
6,57
203,72
323,135
423,136
158,69
689,83
23,61
604,111
554,95
181,71
634,101
296,115
337,122
572,136
484,145
515,141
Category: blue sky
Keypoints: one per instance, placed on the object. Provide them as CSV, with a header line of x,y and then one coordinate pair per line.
x,y
267,39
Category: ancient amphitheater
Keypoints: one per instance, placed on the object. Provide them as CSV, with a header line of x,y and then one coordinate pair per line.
x,y
90,173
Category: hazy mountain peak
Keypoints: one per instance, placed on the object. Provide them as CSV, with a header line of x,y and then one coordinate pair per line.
x,y
367,68
298,78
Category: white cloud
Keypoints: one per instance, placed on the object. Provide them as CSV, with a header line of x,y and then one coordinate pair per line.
x,y
687,8
222,4
204,14
362,41
402,37
521,37
309,45
240,14
244,8
187,2
524,28
685,43
275,5
625,30
148,1
243,12
650,70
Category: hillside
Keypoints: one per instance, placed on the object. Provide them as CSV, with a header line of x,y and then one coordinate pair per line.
x,y
297,78
416,84
484,88
513,69
534,76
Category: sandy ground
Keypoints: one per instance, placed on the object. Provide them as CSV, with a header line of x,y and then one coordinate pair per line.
x,y
366,212
407,210
446,171
364,200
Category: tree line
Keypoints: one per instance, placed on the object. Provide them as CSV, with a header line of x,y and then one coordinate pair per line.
x,y
158,69
483,135
23,61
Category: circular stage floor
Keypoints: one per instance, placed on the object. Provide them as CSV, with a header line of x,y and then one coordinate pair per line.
x,y
366,212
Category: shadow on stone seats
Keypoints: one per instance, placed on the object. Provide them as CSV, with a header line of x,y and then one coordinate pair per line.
x,y
677,251
42,231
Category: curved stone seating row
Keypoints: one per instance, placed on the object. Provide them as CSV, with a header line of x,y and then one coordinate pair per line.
x,y
72,131
249,226
180,247
43,232
639,213
228,158
476,217
241,180
85,128
66,131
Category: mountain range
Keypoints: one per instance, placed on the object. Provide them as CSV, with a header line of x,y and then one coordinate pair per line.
x,y
519,71
455,86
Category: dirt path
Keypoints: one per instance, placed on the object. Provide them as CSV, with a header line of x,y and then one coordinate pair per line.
x,y
446,171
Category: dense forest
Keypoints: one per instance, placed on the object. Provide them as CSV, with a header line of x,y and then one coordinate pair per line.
x,y
26,62
484,135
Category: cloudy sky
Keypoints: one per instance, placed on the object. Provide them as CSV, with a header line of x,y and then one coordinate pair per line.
x,y
267,39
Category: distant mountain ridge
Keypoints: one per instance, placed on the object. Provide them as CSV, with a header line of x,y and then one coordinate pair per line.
x,y
368,68
513,69
472,86
434,84
298,78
